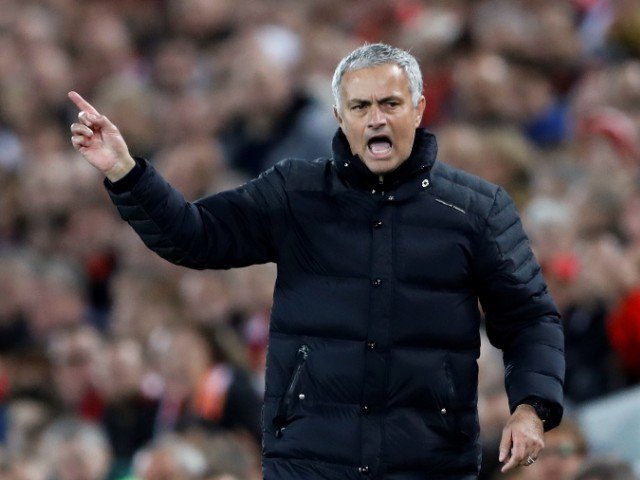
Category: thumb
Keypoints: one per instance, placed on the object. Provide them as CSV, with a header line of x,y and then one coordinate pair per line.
x,y
505,444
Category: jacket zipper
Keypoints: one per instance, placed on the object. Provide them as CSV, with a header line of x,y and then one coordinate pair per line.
x,y
283,410
449,376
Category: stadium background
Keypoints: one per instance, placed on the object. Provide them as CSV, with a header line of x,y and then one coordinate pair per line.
x,y
115,364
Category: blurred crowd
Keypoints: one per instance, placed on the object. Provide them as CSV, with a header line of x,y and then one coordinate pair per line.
x,y
115,364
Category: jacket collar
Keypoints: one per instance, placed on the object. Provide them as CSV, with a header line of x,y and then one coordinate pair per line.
x,y
353,170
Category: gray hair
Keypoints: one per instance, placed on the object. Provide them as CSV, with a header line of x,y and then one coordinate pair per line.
x,y
90,437
374,55
187,457
72,428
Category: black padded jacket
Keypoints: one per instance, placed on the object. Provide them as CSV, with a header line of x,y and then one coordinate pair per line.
x,y
374,333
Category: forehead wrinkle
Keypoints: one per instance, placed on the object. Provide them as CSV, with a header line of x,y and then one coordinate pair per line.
x,y
375,87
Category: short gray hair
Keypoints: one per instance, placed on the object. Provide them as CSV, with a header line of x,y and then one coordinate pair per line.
x,y
187,457
376,54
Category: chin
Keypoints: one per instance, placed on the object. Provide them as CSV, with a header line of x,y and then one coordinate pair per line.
x,y
380,167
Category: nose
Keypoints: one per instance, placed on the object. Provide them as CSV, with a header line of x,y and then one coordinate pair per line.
x,y
377,118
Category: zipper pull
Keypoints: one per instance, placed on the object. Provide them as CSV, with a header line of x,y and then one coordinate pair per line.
x,y
303,352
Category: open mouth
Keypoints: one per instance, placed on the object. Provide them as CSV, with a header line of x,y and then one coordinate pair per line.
x,y
380,145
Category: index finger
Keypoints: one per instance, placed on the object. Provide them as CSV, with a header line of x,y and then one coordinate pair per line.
x,y
81,103
512,463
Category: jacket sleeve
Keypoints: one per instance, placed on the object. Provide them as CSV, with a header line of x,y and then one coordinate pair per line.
x,y
521,317
228,229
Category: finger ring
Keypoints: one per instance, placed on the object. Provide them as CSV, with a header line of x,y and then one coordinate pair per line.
x,y
530,460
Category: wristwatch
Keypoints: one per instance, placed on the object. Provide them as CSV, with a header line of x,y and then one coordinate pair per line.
x,y
542,408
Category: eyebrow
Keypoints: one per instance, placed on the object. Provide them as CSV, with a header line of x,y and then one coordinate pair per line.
x,y
357,101
389,98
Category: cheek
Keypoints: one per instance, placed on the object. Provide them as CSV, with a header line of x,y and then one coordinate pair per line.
x,y
408,136
353,137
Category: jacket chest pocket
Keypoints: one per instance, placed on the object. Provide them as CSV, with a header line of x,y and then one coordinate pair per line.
x,y
293,395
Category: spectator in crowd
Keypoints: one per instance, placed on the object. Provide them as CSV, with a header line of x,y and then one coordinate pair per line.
x,y
26,414
77,357
129,412
170,456
16,281
201,387
25,469
274,118
228,453
74,449
605,468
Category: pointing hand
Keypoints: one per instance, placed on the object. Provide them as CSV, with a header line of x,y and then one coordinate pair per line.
x,y
100,141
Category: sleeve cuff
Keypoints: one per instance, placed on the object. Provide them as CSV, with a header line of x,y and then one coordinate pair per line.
x,y
549,412
127,182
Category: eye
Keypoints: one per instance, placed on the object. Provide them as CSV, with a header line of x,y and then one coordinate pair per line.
x,y
358,107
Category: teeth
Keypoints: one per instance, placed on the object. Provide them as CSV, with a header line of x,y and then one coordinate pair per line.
x,y
380,147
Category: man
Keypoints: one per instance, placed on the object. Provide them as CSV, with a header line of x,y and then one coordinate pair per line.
x,y
382,253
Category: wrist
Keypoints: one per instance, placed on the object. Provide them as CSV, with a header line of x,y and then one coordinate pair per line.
x,y
120,169
539,407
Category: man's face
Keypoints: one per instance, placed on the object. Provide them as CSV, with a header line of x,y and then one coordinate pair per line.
x,y
378,117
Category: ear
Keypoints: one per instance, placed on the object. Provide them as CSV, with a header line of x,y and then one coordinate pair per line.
x,y
336,114
422,103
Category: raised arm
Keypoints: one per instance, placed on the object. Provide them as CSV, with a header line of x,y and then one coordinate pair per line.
x,y
230,229
100,141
